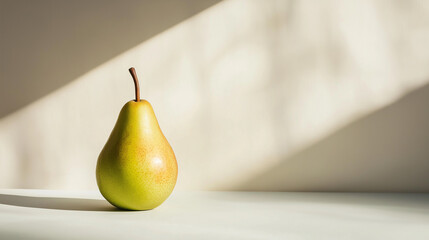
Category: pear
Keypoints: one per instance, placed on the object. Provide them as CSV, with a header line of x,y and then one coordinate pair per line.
x,y
137,168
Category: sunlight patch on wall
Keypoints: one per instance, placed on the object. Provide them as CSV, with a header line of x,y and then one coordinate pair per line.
x,y
239,84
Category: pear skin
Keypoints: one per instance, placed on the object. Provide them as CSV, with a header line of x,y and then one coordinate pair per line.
x,y
137,168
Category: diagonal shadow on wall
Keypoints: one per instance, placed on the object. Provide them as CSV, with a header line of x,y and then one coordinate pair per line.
x,y
46,44
385,151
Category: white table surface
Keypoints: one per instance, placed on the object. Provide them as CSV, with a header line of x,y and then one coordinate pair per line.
x,y
47,214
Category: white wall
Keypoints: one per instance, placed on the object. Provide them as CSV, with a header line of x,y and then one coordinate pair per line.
x,y
253,95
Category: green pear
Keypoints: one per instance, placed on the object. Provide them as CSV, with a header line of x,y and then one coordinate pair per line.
x,y
137,168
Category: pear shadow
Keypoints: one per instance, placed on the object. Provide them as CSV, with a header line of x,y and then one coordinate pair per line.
x,y
56,203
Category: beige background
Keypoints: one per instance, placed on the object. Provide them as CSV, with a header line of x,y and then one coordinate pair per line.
x,y
252,95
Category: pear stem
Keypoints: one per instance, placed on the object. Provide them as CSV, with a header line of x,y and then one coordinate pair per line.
x,y
136,83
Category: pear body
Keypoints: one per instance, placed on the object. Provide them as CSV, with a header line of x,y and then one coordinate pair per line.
x,y
137,168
